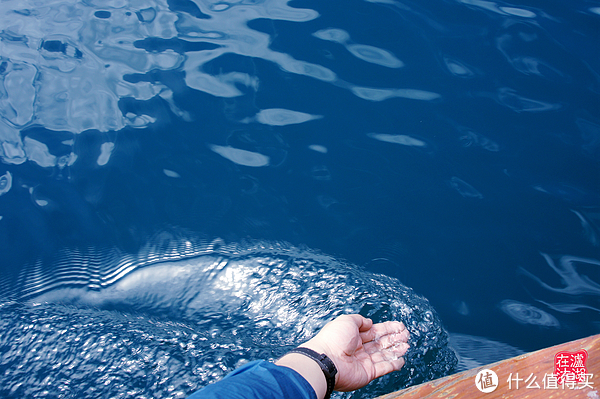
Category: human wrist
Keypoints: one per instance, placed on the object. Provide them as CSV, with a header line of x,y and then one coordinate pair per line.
x,y
308,369
319,347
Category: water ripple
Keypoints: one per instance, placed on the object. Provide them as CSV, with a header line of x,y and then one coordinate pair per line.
x,y
579,288
528,314
365,52
183,313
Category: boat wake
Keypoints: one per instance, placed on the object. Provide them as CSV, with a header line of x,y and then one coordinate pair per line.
x,y
183,313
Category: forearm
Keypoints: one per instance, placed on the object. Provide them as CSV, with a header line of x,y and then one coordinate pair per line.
x,y
355,352
259,379
308,369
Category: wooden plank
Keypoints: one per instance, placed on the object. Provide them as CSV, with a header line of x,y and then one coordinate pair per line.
x,y
539,363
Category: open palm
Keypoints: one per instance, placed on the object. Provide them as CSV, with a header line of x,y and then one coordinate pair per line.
x,y
361,350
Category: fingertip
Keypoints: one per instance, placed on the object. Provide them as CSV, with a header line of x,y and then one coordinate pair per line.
x,y
388,366
363,323
400,363
404,347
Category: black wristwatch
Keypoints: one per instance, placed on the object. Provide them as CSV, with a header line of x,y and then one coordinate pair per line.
x,y
325,363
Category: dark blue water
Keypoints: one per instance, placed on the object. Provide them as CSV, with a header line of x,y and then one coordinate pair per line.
x,y
189,185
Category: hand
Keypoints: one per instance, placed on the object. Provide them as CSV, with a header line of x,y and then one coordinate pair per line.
x,y
361,350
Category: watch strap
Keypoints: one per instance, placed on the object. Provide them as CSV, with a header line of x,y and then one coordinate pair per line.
x,y
326,364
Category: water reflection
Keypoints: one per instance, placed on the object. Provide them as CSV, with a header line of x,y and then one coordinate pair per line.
x,y
579,289
458,68
473,351
74,73
5,183
318,148
281,117
66,66
364,52
192,311
375,94
464,188
105,152
471,139
398,139
509,98
528,314
503,10
241,157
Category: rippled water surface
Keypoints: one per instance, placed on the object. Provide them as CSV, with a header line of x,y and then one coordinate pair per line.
x,y
189,185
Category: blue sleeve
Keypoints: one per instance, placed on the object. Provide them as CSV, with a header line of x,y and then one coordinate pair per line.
x,y
258,380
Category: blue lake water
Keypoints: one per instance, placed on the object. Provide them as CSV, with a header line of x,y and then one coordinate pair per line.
x,y
189,185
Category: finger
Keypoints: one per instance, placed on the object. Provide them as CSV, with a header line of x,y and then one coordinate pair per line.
x,y
366,325
361,322
382,329
386,342
391,353
383,368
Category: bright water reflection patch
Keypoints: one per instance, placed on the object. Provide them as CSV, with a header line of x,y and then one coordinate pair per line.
x,y
5,183
493,6
374,94
464,188
578,290
67,66
241,157
252,119
398,139
365,52
183,314
528,314
282,117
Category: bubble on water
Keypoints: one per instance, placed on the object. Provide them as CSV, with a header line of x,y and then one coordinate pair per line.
x,y
528,314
